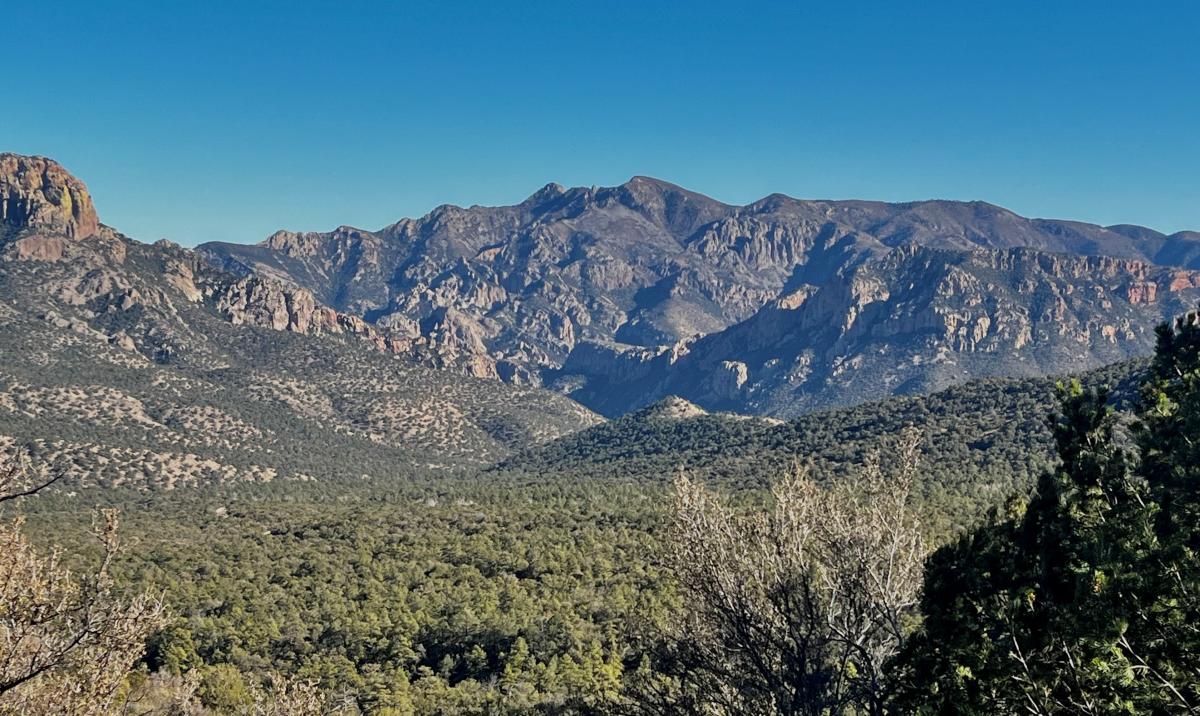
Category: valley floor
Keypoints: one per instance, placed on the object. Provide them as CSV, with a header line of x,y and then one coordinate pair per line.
x,y
443,596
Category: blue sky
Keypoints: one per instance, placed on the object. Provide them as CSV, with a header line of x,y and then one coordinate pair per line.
x,y
225,121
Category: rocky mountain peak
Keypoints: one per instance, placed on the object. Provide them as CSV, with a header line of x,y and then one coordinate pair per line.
x,y
551,191
672,207
640,182
648,190
304,244
620,295
38,193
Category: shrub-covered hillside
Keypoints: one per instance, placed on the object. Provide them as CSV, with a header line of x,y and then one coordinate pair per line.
x,y
979,441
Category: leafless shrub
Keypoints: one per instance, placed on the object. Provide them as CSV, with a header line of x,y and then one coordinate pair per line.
x,y
19,478
67,642
793,609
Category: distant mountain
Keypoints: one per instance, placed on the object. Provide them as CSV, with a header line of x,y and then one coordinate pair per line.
x,y
912,321
619,296
137,364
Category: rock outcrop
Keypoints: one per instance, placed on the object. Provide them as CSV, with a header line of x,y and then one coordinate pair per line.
x,y
38,194
619,296
913,320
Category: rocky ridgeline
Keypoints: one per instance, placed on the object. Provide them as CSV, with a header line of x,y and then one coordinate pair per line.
x,y
512,291
621,295
913,320
48,218
913,316
260,302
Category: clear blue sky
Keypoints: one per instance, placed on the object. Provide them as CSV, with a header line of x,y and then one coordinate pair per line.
x,y
198,122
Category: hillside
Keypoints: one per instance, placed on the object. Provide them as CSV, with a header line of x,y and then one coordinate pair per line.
x,y
140,364
914,321
980,442
622,295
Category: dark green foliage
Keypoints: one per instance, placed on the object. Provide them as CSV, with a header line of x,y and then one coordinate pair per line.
x,y
1166,435
527,588
223,689
1087,600
1029,611
445,594
981,442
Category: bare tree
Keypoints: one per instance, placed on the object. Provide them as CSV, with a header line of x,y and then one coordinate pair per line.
x,y
796,608
19,479
67,642
291,697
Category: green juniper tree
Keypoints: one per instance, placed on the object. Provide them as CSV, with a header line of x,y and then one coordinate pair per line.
x,y
1167,432
1027,613
1087,600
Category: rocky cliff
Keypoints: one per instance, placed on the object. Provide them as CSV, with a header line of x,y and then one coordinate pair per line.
x,y
37,194
912,321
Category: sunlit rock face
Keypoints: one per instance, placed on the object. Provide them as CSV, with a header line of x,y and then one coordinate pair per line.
x,y
39,194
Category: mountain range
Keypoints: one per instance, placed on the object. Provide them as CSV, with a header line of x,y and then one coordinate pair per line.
x,y
342,355
623,295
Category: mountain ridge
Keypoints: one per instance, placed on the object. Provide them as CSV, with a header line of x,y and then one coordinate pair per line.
x,y
554,190
599,291
127,363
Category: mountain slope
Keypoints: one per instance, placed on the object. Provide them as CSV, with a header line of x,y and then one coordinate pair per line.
x,y
602,293
142,364
980,441
912,321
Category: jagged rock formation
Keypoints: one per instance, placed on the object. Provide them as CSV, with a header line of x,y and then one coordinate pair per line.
x,y
513,290
47,214
913,321
37,193
619,296
143,364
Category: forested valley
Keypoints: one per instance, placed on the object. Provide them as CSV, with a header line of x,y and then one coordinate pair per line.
x,y
795,590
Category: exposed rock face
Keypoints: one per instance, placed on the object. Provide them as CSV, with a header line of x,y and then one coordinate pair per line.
x,y
727,380
260,302
46,215
532,280
620,296
914,320
451,340
38,194
605,292
41,248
